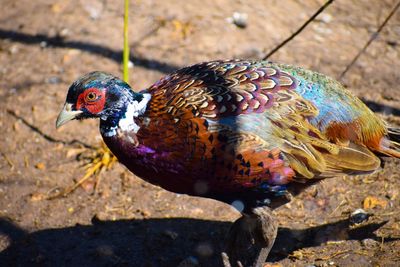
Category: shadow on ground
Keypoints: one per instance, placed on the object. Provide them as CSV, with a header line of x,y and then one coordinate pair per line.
x,y
149,242
92,48
385,109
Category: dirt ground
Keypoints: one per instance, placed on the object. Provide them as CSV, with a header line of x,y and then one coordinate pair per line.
x,y
45,45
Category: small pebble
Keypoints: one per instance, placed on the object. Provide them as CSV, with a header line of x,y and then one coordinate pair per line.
x,y
358,216
239,19
13,49
63,33
43,44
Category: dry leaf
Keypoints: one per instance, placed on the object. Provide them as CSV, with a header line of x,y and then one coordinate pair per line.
x,y
371,202
40,166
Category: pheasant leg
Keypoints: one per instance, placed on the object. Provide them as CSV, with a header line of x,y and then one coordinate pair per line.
x,y
251,238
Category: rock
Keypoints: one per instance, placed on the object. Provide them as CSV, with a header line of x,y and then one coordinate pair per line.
x,y
239,19
358,216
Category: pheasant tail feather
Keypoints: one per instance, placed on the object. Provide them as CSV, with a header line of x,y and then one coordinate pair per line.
x,y
353,159
391,147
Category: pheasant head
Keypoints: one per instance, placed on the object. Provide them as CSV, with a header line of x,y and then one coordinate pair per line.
x,y
101,95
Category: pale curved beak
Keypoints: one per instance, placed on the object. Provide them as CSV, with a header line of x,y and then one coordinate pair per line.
x,y
66,115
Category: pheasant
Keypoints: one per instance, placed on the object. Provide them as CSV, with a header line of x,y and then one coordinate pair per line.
x,y
249,133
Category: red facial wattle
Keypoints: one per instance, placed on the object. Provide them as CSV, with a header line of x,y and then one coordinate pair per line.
x,y
93,99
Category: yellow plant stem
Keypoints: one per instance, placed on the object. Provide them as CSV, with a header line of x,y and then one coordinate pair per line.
x,y
126,44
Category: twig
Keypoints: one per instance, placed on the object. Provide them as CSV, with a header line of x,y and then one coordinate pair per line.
x,y
340,204
334,255
322,8
46,136
371,39
8,160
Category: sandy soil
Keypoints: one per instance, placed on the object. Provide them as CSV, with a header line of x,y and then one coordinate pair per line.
x,y
45,45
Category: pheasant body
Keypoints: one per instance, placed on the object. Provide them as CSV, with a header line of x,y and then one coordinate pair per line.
x,y
236,129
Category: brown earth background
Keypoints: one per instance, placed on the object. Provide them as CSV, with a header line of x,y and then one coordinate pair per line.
x,y
45,45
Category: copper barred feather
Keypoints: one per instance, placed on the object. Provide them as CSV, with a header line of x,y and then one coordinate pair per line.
x,y
238,128
219,90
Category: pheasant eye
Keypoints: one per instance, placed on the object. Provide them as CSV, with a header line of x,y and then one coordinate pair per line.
x,y
91,96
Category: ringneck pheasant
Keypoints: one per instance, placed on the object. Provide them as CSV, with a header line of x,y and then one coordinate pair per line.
x,y
249,132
